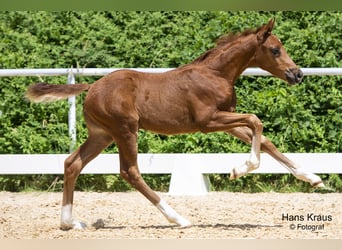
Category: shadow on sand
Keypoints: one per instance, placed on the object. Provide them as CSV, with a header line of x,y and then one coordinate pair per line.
x,y
245,226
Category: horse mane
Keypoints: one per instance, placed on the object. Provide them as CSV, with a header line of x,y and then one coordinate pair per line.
x,y
223,41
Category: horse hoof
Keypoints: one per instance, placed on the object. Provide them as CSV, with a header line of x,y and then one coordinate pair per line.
x,y
318,185
180,221
66,227
185,224
233,174
74,225
79,225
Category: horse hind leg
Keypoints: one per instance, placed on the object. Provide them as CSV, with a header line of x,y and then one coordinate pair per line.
x,y
297,171
245,134
72,168
130,172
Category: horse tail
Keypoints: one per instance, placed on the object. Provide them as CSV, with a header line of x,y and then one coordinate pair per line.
x,y
45,92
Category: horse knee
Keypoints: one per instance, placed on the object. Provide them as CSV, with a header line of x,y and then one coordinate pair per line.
x,y
255,122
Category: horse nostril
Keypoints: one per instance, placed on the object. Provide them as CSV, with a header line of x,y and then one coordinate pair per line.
x,y
299,74
294,75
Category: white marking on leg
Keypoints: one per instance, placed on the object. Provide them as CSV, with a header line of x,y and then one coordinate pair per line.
x,y
171,215
254,160
66,219
250,165
313,179
244,169
298,172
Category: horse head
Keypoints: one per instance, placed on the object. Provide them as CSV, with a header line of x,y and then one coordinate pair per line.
x,y
272,56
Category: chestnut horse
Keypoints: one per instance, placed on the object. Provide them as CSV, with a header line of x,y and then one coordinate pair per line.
x,y
196,97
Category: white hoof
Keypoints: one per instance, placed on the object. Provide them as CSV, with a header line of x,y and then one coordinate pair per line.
x,y
247,167
233,174
319,185
184,223
180,221
67,222
79,225
313,179
171,215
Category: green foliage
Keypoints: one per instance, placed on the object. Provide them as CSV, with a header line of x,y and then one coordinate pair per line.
x,y
302,118
31,182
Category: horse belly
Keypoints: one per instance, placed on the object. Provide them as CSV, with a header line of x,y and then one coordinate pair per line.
x,y
167,122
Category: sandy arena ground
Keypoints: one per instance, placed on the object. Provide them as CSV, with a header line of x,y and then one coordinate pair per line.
x,y
218,215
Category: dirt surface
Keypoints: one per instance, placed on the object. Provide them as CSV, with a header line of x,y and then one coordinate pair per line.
x,y
221,215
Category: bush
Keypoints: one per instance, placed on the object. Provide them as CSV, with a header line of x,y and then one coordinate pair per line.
x,y
302,118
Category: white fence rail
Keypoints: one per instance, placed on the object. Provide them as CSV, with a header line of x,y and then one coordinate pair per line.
x,y
105,71
188,171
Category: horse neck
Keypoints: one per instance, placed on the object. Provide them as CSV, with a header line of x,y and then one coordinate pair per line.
x,y
232,59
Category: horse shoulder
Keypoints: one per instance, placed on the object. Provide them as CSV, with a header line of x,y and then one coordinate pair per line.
x,y
213,89
207,94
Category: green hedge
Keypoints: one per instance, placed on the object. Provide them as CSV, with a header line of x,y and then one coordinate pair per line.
x,y
302,118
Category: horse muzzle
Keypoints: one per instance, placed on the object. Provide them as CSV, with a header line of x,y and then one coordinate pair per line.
x,y
294,75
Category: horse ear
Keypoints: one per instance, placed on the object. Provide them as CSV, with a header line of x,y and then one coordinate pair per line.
x,y
270,24
265,31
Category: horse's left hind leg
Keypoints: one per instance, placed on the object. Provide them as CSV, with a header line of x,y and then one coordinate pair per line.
x,y
127,144
72,168
245,134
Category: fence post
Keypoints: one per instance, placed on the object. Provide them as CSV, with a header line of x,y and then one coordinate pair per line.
x,y
187,178
72,113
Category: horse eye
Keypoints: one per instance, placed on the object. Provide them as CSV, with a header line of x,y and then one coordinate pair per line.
x,y
275,51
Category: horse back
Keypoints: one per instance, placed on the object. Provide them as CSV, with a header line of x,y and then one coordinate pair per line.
x,y
168,103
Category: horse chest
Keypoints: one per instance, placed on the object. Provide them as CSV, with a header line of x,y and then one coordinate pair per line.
x,y
222,98
228,102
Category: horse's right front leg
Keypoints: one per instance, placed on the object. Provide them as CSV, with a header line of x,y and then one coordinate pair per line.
x,y
226,121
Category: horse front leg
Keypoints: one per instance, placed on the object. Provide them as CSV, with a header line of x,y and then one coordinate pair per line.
x,y
245,134
223,121
254,159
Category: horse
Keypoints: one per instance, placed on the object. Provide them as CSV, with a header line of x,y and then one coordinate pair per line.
x,y
195,97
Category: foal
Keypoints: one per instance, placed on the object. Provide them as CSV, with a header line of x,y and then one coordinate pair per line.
x,y
196,97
